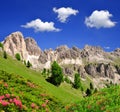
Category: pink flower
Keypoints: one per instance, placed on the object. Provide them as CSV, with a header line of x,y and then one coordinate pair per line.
x,y
10,100
4,103
6,85
7,95
17,102
2,97
46,101
43,105
33,105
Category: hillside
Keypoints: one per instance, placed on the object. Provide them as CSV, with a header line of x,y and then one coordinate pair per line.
x,y
106,100
25,89
19,72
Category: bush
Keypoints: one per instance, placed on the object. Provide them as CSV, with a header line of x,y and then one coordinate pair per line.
x,y
5,55
57,74
18,56
67,80
28,64
77,83
91,86
88,92
1,45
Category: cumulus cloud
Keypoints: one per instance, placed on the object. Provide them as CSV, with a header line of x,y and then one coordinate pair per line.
x,y
99,19
64,13
40,26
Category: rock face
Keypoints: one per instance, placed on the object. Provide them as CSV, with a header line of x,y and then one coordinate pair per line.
x,y
32,47
27,48
15,43
90,61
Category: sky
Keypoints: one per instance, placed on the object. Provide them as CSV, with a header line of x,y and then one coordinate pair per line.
x,y
63,22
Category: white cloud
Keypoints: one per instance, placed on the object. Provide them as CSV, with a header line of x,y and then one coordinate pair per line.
x,y
40,26
64,13
107,47
99,19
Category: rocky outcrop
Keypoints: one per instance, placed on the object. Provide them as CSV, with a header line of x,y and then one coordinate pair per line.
x,y
91,61
32,47
15,43
27,48
116,52
91,69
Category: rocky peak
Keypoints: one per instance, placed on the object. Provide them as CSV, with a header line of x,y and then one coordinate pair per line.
x,y
62,48
32,47
14,43
116,52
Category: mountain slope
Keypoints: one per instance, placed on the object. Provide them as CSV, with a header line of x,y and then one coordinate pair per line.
x,y
13,66
106,100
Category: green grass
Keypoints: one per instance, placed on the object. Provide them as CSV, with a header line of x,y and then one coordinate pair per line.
x,y
64,95
106,100
27,94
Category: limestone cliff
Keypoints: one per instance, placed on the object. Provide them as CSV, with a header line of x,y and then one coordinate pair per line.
x,y
90,61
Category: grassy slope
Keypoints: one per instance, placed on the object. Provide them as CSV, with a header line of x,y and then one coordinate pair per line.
x,y
64,95
106,100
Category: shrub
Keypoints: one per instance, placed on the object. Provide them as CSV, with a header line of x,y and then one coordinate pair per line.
x,y
5,55
18,56
88,92
91,86
1,45
67,80
57,74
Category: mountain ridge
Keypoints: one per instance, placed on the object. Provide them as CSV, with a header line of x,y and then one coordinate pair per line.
x,y
90,61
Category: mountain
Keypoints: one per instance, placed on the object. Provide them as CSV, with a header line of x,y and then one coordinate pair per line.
x,y
91,62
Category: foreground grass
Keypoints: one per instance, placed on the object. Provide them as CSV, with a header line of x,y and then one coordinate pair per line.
x,y
106,100
18,94
63,95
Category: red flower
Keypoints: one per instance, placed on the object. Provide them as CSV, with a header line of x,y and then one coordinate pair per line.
x,y
10,100
6,85
7,95
43,105
17,102
4,103
2,97
46,101
33,105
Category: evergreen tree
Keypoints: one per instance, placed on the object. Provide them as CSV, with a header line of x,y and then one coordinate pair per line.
x,y
77,83
88,92
28,64
5,55
18,56
57,74
91,86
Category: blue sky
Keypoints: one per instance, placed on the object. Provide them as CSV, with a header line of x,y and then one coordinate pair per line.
x,y
63,22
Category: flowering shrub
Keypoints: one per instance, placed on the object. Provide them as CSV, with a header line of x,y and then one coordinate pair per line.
x,y
20,95
6,100
107,100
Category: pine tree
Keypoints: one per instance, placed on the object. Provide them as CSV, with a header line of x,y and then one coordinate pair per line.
x,y
18,56
77,83
28,64
57,74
